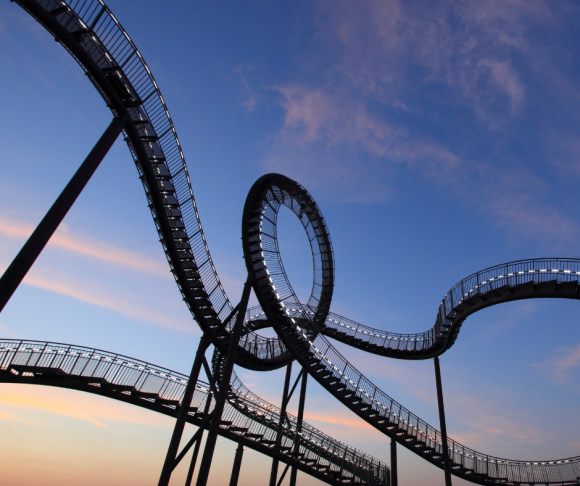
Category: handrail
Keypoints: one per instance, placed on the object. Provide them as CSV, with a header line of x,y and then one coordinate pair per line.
x,y
260,415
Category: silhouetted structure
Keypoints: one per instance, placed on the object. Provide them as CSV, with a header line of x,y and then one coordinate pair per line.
x,y
223,406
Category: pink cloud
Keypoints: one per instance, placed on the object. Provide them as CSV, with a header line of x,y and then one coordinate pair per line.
x,y
81,406
126,305
334,137
68,240
561,365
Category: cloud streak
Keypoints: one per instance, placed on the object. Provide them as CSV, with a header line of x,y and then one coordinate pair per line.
x,y
85,407
125,305
65,239
389,75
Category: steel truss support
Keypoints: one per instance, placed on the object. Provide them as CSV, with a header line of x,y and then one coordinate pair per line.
x,y
171,458
197,444
224,387
299,420
285,398
168,466
394,475
237,465
445,447
20,266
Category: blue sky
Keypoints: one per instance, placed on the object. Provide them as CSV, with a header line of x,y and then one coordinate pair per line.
x,y
437,138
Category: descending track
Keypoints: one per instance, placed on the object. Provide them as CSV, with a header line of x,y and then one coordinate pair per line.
x,y
247,419
94,37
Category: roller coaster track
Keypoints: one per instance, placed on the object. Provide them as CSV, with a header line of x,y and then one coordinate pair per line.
x,y
248,419
94,37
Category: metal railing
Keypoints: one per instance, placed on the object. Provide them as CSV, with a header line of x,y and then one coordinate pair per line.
x,y
247,413
106,41
535,271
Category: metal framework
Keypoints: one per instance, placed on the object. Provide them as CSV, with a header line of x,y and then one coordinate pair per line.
x,y
247,419
95,38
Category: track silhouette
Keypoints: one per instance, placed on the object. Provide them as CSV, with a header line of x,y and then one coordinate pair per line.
x,y
94,37
248,419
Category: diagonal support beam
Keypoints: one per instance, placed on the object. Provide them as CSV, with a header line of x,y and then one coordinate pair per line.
x,y
212,434
20,266
204,343
293,387
193,440
197,445
283,475
275,461
210,377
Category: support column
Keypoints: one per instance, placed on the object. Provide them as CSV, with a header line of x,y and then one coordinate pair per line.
x,y
300,417
20,266
224,389
197,444
183,411
394,475
237,465
275,462
447,465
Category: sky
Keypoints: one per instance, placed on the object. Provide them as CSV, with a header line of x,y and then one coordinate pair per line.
x,y
437,138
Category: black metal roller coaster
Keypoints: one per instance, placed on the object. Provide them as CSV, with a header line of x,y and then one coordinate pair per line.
x,y
224,406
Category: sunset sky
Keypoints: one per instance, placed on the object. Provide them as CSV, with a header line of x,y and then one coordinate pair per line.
x,y
438,139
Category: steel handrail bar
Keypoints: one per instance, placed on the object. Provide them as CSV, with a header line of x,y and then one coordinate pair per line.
x,y
310,437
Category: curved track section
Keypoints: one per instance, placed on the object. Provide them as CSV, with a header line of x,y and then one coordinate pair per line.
x,y
522,279
302,327
94,37
104,50
247,418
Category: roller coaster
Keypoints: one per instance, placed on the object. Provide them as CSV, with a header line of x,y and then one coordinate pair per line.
x,y
89,31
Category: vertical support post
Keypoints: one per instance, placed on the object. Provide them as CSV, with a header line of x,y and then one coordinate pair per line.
x,y
394,472
275,462
447,465
224,389
299,420
183,411
237,465
197,445
20,266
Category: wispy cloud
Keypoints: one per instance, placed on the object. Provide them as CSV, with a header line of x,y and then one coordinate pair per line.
x,y
95,410
389,75
344,420
68,240
561,366
483,423
123,304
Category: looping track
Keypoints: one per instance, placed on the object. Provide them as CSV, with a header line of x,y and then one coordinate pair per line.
x,y
94,37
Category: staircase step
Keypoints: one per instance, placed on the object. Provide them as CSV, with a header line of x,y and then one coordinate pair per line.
x,y
38,370
167,402
94,381
568,286
550,285
124,388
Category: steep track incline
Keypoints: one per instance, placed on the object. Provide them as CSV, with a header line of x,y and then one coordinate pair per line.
x,y
97,41
95,38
